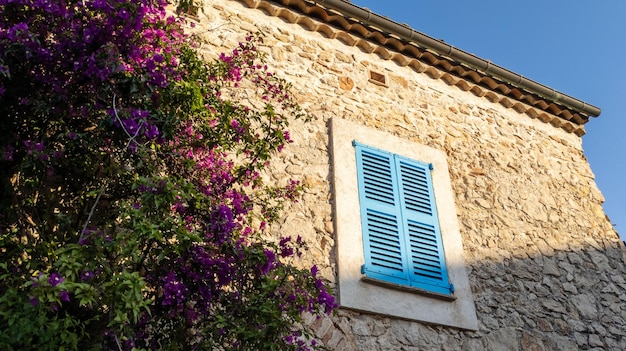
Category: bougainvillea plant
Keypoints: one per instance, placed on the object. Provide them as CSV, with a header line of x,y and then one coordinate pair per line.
x,y
132,210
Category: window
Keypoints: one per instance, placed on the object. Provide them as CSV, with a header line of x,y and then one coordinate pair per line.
x,y
382,196
401,236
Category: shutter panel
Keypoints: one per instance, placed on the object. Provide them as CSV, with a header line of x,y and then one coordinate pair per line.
x,y
427,267
383,241
401,236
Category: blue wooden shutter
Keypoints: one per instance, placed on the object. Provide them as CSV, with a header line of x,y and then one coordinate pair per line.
x,y
401,236
427,266
383,241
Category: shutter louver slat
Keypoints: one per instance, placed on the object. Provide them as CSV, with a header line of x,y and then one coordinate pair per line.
x,y
415,189
385,247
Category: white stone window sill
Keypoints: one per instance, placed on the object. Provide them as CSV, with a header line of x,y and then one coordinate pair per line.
x,y
409,289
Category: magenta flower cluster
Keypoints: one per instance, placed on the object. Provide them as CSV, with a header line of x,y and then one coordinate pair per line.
x,y
139,178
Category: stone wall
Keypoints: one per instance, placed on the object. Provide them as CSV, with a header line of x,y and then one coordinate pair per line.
x,y
545,266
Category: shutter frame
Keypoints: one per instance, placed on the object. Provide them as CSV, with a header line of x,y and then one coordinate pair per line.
x,y
383,243
420,246
427,266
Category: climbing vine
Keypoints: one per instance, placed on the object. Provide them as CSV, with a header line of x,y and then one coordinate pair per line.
x,y
132,210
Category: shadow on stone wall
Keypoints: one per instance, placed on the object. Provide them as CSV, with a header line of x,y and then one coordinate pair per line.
x,y
570,300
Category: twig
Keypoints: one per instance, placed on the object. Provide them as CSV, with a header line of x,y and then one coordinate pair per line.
x,y
131,137
119,346
93,209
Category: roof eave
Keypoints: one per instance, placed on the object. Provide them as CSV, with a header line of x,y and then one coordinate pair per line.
x,y
439,60
422,40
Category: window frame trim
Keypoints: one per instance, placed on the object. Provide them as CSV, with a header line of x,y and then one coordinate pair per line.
x,y
355,293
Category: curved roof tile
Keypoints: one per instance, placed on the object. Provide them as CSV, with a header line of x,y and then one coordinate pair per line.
x,y
351,32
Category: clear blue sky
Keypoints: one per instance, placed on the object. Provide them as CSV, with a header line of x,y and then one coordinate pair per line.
x,y
576,47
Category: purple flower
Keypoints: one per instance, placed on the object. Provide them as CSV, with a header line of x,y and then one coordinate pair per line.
x,y
225,58
64,296
269,263
18,31
34,301
287,136
29,146
129,344
131,126
314,271
152,132
84,240
285,250
8,153
222,224
88,234
86,275
123,14
327,300
173,290
32,146
178,207
55,279
150,65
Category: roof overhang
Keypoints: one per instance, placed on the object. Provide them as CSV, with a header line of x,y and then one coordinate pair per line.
x,y
357,26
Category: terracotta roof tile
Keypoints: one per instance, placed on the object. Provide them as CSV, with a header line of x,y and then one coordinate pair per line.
x,y
436,65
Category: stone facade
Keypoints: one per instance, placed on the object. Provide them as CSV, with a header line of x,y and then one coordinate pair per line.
x,y
546,268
